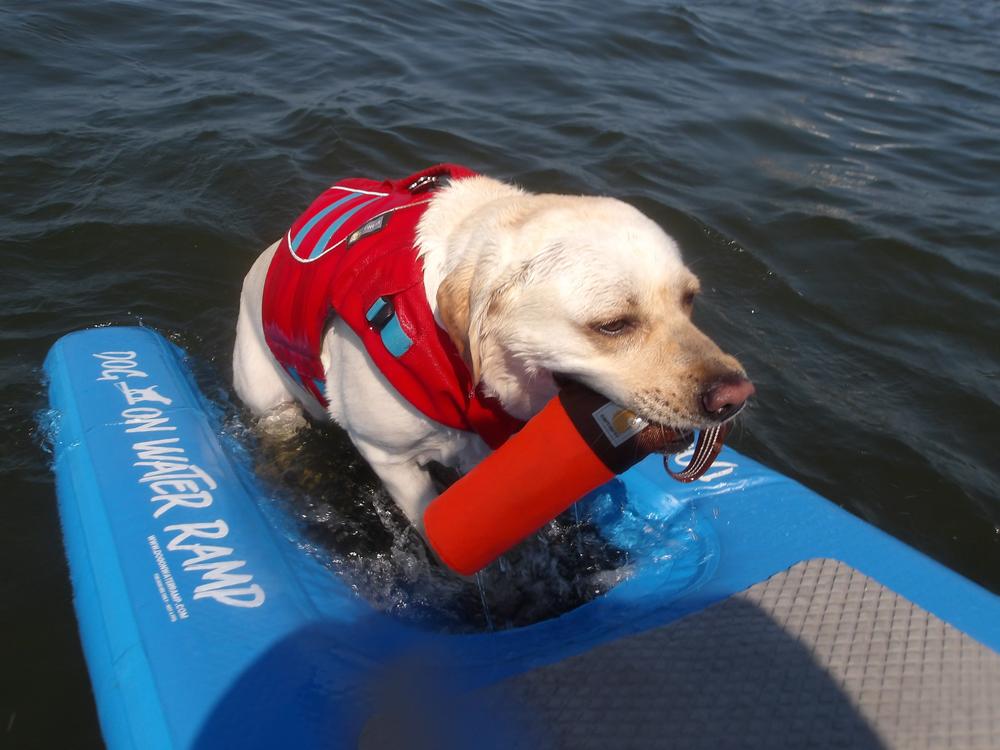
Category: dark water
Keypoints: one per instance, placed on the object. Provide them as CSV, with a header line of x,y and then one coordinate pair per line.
x,y
832,171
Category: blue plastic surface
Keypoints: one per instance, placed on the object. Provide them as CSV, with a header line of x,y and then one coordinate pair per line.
x,y
247,641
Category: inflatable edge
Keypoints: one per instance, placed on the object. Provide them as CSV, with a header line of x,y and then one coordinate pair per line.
x,y
114,652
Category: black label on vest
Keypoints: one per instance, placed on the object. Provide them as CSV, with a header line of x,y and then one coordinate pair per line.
x,y
370,227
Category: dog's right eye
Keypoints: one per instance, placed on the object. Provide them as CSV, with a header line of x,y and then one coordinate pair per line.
x,y
614,327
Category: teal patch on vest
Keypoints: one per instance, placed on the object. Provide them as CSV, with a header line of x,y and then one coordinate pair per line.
x,y
320,386
375,309
296,377
395,338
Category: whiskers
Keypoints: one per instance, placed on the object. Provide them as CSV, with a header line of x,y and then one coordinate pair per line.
x,y
737,422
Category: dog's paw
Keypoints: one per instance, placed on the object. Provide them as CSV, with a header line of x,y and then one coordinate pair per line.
x,y
283,422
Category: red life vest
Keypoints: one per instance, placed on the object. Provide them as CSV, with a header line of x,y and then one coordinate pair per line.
x,y
352,254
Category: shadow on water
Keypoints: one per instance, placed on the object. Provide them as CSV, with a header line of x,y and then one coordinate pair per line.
x,y
38,627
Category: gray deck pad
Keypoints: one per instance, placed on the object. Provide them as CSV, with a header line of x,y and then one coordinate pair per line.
x,y
819,656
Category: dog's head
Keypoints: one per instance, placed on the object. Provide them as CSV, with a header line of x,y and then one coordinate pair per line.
x,y
588,289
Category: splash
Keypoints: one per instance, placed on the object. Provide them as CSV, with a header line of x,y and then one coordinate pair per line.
x,y
312,476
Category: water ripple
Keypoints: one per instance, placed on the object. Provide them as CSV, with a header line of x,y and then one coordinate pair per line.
x,y
829,170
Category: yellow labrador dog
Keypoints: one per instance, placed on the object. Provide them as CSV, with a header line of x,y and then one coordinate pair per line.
x,y
531,289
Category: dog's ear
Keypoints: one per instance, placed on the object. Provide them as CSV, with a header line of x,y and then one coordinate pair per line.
x,y
454,300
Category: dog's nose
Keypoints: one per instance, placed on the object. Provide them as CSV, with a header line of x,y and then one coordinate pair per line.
x,y
726,395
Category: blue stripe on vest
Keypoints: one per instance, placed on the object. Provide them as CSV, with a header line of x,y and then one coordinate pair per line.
x,y
328,234
297,240
296,377
320,386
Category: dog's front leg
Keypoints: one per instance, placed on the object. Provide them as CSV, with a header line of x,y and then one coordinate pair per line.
x,y
411,487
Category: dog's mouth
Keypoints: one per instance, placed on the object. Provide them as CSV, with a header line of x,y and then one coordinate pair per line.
x,y
664,440
657,438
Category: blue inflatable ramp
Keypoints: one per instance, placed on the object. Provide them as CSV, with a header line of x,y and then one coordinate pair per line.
x,y
753,613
